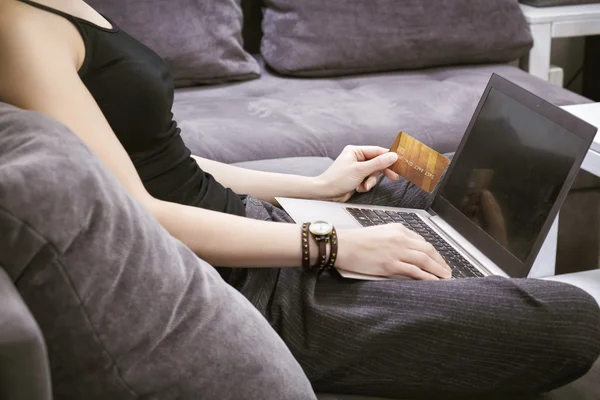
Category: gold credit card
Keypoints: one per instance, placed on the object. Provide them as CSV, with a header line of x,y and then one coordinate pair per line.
x,y
417,162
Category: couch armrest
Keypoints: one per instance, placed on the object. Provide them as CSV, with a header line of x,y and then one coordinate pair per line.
x,y
587,280
24,371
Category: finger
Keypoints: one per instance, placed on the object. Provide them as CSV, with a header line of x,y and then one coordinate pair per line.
x,y
413,235
414,272
428,249
369,152
391,174
368,183
424,261
378,163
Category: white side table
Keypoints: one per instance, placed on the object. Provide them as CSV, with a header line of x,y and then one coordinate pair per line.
x,y
591,114
556,22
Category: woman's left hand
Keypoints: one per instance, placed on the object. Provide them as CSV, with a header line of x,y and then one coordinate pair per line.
x,y
356,170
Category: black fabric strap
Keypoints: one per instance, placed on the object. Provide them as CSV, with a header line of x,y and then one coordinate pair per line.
x,y
50,9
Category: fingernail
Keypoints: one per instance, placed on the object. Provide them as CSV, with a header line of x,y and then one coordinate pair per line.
x,y
392,157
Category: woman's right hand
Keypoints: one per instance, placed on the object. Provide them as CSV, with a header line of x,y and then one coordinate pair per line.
x,y
389,250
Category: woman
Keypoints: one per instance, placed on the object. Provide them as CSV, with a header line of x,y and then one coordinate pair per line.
x,y
63,59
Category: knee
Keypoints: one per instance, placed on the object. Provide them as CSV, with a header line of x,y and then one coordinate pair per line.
x,y
572,318
559,318
586,324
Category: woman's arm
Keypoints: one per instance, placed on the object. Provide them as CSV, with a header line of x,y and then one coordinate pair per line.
x,y
355,169
264,185
232,241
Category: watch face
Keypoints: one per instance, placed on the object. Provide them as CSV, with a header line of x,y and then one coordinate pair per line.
x,y
321,228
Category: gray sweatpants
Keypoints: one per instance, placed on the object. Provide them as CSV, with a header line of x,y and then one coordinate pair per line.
x,y
424,339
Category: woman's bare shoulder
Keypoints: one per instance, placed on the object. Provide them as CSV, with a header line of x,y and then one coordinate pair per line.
x,y
30,39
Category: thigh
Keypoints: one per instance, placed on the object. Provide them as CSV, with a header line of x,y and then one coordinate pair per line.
x,y
402,194
469,336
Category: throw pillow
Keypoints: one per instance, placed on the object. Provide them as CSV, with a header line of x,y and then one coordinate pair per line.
x,y
201,41
327,38
127,311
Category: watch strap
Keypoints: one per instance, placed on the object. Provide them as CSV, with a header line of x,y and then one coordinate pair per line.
x,y
334,248
322,259
305,246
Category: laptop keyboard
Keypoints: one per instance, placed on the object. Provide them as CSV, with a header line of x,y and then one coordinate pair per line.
x,y
461,268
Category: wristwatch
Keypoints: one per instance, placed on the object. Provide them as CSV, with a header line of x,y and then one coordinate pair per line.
x,y
321,231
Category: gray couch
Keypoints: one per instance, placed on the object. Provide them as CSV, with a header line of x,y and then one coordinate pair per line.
x,y
298,126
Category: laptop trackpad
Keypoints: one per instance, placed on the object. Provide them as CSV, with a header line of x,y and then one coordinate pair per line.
x,y
312,210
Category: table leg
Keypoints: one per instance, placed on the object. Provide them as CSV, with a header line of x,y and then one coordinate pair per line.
x,y
537,63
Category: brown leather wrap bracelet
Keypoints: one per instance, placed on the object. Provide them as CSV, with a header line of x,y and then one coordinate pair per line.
x,y
322,259
334,248
305,246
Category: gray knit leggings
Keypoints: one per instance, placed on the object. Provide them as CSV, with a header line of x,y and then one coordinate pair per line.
x,y
421,339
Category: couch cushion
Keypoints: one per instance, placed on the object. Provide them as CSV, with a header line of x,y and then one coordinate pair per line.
x,y
24,370
333,38
200,40
127,311
277,117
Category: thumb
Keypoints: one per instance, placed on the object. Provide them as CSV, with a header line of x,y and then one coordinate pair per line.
x,y
379,163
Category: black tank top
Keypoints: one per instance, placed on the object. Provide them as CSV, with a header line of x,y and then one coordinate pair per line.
x,y
134,90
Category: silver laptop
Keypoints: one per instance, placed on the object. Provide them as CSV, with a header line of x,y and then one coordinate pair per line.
x,y
501,193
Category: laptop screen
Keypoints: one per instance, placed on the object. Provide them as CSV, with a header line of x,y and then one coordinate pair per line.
x,y
511,171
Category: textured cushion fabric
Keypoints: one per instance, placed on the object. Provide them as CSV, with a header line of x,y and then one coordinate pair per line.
x,y
276,117
200,40
24,371
305,166
333,38
127,311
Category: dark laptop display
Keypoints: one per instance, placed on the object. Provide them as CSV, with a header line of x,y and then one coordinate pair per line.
x,y
511,173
